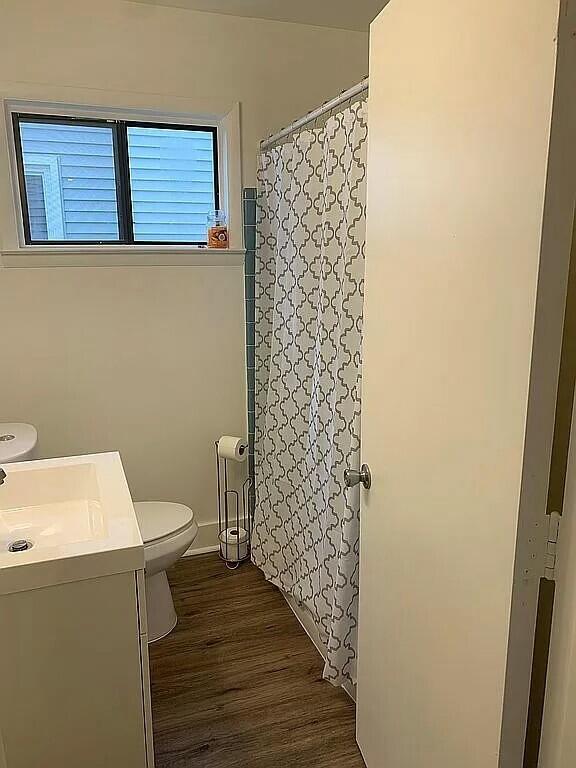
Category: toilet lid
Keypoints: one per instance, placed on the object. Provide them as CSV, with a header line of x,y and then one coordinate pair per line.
x,y
159,519
16,440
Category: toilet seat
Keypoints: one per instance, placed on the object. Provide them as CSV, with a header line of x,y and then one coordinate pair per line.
x,y
162,519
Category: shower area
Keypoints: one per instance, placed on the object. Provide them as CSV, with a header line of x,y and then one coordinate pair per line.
x,y
306,393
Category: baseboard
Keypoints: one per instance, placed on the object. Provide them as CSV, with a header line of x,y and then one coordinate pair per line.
x,y
308,624
205,541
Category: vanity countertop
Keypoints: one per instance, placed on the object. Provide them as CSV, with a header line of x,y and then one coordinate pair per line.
x,y
66,519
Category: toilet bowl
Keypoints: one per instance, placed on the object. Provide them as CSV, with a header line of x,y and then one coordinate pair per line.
x,y
167,530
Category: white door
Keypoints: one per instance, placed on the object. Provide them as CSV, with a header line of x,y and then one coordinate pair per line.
x,y
465,289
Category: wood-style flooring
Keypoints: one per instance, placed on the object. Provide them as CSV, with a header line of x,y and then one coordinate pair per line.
x,y
238,684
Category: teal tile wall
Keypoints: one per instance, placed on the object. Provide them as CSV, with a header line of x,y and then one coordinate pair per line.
x,y
249,219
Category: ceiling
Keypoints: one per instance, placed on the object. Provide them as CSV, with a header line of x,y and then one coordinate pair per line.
x,y
341,14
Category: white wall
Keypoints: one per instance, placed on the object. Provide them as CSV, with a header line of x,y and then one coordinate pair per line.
x,y
142,360
132,55
147,360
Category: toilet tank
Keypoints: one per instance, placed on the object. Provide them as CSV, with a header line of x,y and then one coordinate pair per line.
x,y
17,442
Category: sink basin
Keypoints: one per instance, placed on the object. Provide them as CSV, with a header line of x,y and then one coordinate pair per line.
x,y
51,506
66,519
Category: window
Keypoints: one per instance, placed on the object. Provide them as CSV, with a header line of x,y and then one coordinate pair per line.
x,y
115,182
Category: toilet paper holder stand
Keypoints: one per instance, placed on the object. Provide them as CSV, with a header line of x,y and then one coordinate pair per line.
x,y
235,516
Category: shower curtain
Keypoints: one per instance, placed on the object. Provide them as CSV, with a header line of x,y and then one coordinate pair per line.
x,y
308,327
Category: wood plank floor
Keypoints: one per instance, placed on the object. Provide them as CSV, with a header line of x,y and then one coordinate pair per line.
x,y
238,684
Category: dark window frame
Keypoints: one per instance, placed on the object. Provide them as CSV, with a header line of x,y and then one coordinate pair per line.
x,y
119,130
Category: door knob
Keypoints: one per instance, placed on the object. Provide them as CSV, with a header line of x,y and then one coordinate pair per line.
x,y
352,477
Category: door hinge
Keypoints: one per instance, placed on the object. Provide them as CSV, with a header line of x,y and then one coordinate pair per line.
x,y
551,546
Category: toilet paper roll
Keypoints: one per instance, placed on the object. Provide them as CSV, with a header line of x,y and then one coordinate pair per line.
x,y
234,544
234,448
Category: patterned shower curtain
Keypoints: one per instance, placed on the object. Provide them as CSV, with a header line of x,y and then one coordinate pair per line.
x,y
309,299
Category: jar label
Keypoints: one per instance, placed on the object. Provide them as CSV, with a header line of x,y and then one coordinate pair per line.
x,y
217,237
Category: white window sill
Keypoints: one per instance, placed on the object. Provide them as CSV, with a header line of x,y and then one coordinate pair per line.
x,y
120,256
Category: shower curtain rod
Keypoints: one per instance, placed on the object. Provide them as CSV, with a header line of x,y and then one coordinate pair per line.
x,y
326,107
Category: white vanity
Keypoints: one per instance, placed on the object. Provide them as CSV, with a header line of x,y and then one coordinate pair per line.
x,y
74,680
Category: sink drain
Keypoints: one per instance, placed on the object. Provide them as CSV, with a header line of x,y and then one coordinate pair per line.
x,y
20,545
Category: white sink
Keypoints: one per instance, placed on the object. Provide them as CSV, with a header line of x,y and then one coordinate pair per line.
x,y
67,519
51,506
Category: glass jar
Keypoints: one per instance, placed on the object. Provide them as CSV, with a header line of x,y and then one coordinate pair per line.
x,y
217,230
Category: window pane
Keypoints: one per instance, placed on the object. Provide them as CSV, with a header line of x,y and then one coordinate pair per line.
x,y
172,181
70,181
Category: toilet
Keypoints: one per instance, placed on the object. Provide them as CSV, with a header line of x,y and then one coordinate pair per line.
x,y
167,530
17,442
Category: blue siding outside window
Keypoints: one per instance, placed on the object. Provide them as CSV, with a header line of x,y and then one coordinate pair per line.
x,y
79,183
172,183
36,206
